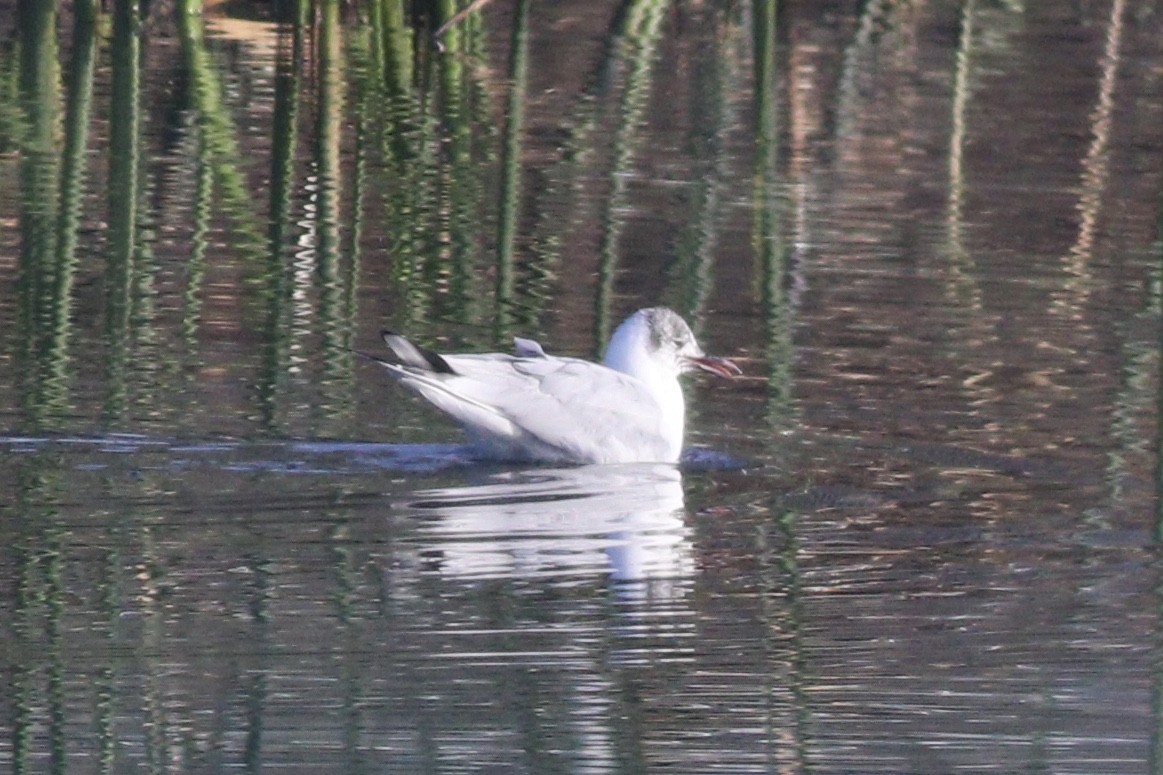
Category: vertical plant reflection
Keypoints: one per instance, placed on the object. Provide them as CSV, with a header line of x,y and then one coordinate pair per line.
x,y
779,538
459,180
20,688
783,613
637,45
365,96
123,197
191,33
333,322
961,285
105,685
1095,171
37,685
511,170
1079,275
431,114
691,276
52,551
352,680
218,167
255,688
39,93
278,274
406,157
1155,761
199,243
219,131
768,238
150,598
79,101
1158,311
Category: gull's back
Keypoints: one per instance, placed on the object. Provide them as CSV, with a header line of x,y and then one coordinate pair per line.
x,y
539,407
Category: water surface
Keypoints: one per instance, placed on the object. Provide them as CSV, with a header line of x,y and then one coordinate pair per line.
x,y
920,536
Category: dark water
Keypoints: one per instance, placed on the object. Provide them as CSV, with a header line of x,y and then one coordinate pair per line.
x,y
920,537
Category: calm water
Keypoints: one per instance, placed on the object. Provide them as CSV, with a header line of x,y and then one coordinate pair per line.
x,y
920,537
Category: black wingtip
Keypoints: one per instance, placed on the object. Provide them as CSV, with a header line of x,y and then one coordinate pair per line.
x,y
365,356
411,354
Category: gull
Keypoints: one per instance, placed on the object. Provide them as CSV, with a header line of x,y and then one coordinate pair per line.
x,y
537,407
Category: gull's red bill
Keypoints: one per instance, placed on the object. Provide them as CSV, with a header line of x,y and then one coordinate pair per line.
x,y
720,366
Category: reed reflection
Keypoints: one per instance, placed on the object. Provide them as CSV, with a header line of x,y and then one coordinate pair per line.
x,y
39,176
770,236
510,197
278,276
636,49
284,243
1155,759
336,304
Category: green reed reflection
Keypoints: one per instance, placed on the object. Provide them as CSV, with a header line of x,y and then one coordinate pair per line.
x,y
779,543
690,275
637,44
432,111
466,106
334,323
41,278
39,701
428,164
123,198
406,140
39,98
778,549
394,52
511,170
220,131
79,103
203,163
105,686
769,235
279,272
344,598
159,730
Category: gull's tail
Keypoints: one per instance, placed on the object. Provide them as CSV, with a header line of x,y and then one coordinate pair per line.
x,y
408,356
413,356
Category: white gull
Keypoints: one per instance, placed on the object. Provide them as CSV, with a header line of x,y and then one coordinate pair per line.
x,y
537,407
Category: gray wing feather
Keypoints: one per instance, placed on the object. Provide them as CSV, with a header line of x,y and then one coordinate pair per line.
x,y
581,410
528,348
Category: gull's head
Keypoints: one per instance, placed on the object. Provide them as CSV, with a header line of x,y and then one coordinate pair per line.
x,y
656,341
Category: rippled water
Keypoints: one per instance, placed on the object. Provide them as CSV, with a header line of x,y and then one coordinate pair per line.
x,y
920,536
350,606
